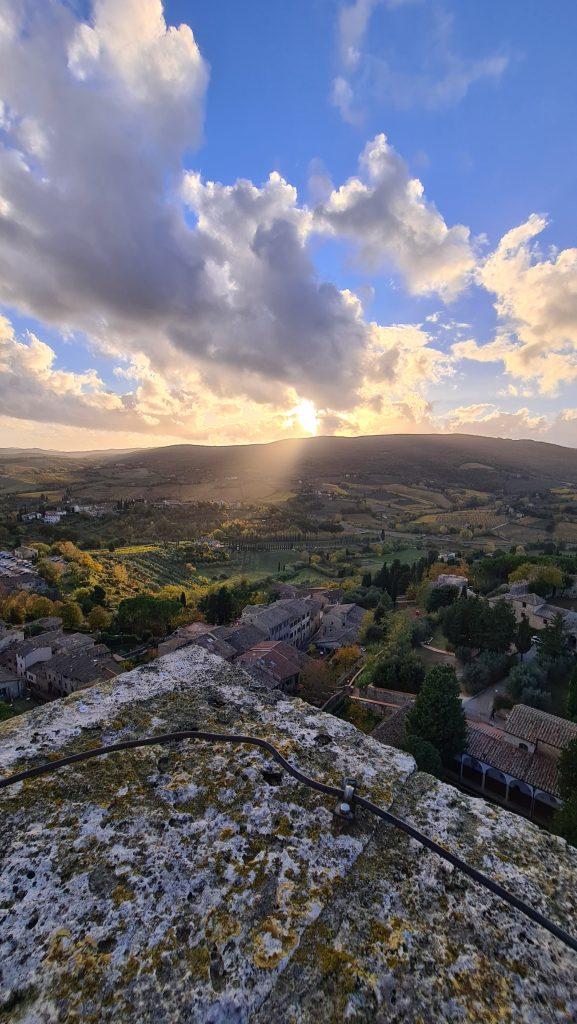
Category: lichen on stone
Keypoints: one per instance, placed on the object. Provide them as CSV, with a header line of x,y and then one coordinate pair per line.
x,y
175,883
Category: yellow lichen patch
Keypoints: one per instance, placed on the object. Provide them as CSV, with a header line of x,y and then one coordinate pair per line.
x,y
82,975
273,943
220,926
121,895
485,992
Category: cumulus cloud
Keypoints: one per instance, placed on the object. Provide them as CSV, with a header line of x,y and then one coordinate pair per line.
x,y
101,231
536,301
204,296
487,420
94,233
385,212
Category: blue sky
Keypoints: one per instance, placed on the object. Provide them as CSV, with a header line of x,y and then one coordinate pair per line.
x,y
476,101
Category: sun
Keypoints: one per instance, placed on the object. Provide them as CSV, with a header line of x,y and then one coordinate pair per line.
x,y
306,414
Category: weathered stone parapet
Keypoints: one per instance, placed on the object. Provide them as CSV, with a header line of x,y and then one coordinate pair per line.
x,y
176,884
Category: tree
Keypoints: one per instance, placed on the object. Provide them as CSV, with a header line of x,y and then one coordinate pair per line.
x,y
98,594
49,571
71,615
426,755
536,698
316,682
523,639
383,608
38,606
554,637
397,672
344,659
497,627
572,696
119,574
148,614
99,618
441,597
566,818
437,714
530,675
567,771
218,606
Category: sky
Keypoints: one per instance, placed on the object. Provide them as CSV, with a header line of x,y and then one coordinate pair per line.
x,y
227,222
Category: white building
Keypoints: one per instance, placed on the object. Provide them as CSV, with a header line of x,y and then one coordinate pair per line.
x,y
53,517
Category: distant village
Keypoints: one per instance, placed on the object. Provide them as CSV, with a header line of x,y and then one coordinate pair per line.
x,y
512,749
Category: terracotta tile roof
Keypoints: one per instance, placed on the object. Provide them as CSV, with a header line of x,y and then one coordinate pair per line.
x,y
280,660
534,769
539,726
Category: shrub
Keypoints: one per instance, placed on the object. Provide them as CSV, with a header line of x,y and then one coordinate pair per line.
x,y
426,755
487,669
536,698
502,702
441,597
525,676
398,672
464,655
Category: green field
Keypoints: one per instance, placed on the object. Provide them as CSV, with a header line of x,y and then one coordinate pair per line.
x,y
373,562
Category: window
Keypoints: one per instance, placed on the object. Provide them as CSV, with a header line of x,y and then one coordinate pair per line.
x,y
523,746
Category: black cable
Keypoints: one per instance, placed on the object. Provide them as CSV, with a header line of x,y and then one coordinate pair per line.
x,y
321,787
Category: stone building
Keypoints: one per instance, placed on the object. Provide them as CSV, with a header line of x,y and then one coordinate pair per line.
x,y
518,765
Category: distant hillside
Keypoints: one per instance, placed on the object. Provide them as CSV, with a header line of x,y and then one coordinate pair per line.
x,y
260,471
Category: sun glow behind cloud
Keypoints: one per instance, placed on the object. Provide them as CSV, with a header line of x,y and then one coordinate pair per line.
x,y
196,308
306,415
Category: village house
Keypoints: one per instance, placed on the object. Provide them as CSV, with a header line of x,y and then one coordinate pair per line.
x,y
21,656
45,624
274,663
10,635
53,516
11,686
340,626
518,765
537,611
447,556
226,641
451,580
68,672
291,620
27,553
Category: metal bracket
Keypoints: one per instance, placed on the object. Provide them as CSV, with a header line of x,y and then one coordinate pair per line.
x,y
345,807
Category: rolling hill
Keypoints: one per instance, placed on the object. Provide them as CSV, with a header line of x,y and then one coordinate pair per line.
x,y
260,471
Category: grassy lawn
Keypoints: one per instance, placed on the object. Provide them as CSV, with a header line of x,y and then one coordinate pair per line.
x,y
374,562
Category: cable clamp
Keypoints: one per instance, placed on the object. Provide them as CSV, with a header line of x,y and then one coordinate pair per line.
x,y
345,807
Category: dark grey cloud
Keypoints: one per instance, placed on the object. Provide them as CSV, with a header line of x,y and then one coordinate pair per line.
x,y
93,232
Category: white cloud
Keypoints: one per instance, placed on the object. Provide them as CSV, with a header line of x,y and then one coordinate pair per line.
x,y
487,420
536,295
536,301
98,230
385,212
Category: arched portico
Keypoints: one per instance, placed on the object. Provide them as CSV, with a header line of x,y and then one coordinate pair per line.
x,y
507,789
